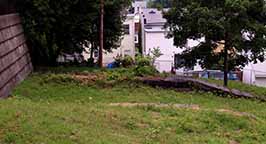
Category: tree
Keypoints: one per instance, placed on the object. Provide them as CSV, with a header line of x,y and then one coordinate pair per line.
x,y
101,33
236,27
113,18
65,26
55,27
159,4
155,54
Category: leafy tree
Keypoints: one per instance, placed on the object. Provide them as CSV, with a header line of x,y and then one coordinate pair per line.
x,y
160,4
65,26
236,27
155,54
113,25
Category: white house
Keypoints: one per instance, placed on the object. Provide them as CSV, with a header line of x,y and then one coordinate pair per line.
x,y
255,74
127,46
139,5
131,36
154,36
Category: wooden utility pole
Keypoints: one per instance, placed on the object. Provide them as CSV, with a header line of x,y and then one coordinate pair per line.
x,y
225,66
101,33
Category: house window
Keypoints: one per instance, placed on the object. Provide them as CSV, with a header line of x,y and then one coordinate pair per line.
x,y
145,21
126,29
178,60
136,39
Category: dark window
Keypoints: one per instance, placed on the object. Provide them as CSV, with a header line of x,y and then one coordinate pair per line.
x,y
178,60
152,12
145,21
126,29
136,39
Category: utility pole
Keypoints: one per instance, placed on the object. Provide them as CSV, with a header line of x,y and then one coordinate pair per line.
x,y
101,33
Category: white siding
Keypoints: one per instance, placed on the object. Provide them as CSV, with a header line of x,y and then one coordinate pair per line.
x,y
255,74
127,44
154,40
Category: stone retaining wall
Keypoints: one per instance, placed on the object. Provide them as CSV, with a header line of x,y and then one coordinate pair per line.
x,y
15,62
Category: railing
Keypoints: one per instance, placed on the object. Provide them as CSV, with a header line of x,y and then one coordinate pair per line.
x,y
215,74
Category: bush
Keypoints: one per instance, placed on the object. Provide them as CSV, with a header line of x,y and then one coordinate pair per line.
x,y
143,61
54,27
118,60
126,61
145,71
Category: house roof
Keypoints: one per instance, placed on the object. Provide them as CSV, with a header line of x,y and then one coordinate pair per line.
x,y
153,17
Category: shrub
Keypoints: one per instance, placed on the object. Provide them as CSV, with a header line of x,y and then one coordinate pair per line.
x,y
145,71
118,60
126,61
143,61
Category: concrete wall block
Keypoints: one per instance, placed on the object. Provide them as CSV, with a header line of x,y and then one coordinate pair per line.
x,y
3,22
4,35
10,32
2,49
2,38
10,19
15,62
13,70
4,92
10,45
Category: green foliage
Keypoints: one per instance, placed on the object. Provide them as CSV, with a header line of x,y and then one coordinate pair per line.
x,y
126,61
58,78
143,61
120,74
235,27
143,65
113,25
155,54
159,4
10,138
65,26
237,24
145,71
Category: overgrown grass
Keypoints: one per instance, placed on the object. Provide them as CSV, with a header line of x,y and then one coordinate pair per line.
x,y
255,90
63,111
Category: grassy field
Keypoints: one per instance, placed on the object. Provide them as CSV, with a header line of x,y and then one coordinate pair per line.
x,y
46,109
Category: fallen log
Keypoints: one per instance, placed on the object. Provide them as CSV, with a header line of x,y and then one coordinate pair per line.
x,y
180,83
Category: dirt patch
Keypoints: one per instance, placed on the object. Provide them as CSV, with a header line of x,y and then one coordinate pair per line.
x,y
233,142
235,113
88,78
187,106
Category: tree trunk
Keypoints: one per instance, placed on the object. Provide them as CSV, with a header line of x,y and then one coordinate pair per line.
x,y
101,34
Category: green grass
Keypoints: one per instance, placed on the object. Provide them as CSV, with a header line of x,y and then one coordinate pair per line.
x,y
257,91
54,112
